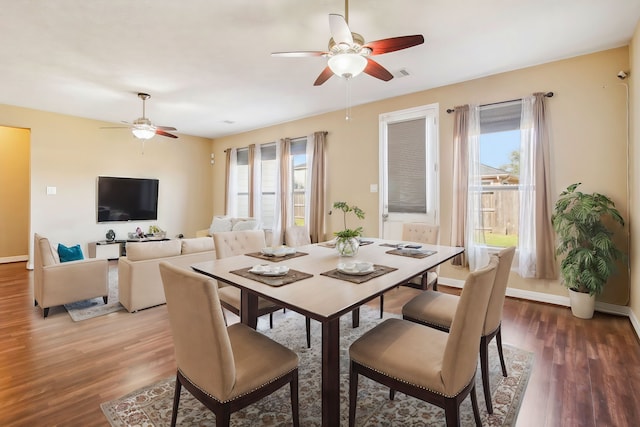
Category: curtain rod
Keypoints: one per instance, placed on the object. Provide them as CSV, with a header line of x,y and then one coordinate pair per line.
x,y
548,95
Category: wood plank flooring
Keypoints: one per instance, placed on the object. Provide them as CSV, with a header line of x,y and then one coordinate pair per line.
x,y
56,372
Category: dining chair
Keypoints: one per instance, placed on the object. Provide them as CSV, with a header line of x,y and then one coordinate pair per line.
x,y
427,363
437,310
231,243
296,235
419,232
225,367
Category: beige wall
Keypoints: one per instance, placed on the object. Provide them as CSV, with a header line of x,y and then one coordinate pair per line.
x,y
14,194
69,153
634,95
588,116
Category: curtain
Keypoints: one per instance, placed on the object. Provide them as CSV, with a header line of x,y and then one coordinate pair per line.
x,y
460,180
317,188
232,183
475,247
536,239
250,166
283,191
255,190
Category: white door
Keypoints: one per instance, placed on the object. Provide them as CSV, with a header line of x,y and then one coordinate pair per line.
x,y
409,190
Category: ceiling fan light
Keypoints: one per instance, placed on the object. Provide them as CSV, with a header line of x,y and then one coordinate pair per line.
x,y
143,133
347,65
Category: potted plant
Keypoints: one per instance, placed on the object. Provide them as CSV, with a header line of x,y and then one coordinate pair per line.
x,y
347,242
586,244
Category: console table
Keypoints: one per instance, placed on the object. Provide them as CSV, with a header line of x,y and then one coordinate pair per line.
x,y
109,249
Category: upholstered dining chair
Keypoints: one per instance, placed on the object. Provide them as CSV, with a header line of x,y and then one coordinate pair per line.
x,y
426,363
58,283
419,232
230,243
225,367
296,235
437,310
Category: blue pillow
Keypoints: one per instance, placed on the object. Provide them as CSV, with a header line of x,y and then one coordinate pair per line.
x,y
74,253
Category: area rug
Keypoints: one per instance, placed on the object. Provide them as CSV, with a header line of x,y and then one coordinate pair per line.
x,y
88,309
151,406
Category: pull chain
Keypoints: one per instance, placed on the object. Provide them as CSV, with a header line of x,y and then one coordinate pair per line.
x,y
348,100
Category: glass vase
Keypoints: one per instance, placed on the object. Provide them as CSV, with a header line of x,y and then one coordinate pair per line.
x,y
347,246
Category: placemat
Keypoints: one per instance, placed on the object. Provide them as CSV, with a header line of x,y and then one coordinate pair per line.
x,y
273,258
378,270
290,277
333,243
412,253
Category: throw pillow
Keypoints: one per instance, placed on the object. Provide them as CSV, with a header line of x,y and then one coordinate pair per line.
x,y
246,225
220,224
73,253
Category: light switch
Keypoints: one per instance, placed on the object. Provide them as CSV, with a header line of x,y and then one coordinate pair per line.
x,y
51,191
373,188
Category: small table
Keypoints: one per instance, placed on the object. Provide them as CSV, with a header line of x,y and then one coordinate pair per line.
x,y
323,298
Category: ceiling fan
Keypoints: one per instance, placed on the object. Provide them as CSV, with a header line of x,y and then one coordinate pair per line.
x,y
349,55
143,128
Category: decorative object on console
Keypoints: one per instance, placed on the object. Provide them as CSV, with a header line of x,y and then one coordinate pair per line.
x,y
111,235
587,245
72,253
347,242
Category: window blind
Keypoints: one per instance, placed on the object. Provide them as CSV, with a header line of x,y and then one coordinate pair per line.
x,y
500,117
406,164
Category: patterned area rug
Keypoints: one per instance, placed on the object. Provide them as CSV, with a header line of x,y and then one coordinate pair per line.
x,y
88,309
152,405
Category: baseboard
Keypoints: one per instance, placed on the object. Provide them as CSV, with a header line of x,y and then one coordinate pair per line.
x,y
17,258
603,307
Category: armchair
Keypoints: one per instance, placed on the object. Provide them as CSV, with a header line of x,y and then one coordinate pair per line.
x,y
56,283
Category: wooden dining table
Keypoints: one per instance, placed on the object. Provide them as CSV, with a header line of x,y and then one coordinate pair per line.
x,y
326,298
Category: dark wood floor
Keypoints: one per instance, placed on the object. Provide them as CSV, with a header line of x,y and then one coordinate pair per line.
x,y
56,372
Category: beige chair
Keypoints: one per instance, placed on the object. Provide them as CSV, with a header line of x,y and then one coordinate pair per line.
x,y
230,243
225,368
296,235
426,363
56,283
419,232
437,310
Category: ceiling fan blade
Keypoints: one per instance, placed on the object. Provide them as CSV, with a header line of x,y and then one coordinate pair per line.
x,y
340,29
163,133
324,76
392,44
300,54
166,128
114,127
378,71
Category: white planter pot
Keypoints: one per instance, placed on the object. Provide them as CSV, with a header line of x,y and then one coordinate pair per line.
x,y
582,305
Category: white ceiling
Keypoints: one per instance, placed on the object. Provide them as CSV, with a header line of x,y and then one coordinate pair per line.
x,y
207,63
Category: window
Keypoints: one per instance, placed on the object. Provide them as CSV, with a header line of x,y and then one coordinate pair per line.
x,y
299,183
268,187
242,182
500,174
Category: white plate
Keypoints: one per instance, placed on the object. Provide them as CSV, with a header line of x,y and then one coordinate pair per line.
x,y
268,270
278,252
354,271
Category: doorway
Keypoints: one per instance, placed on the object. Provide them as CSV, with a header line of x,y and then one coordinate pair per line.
x,y
15,149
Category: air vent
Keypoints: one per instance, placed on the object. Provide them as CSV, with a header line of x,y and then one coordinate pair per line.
x,y
401,73
229,122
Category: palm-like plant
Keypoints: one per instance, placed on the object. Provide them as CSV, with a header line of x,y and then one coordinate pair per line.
x,y
347,233
585,240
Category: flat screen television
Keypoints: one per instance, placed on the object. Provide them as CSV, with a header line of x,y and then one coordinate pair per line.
x,y
127,199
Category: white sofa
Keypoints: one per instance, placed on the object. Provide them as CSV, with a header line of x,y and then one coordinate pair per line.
x,y
139,282
227,223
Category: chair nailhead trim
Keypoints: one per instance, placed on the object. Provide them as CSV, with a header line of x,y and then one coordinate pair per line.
x,y
411,384
240,395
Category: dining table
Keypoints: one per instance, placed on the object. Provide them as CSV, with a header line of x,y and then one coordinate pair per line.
x,y
323,286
